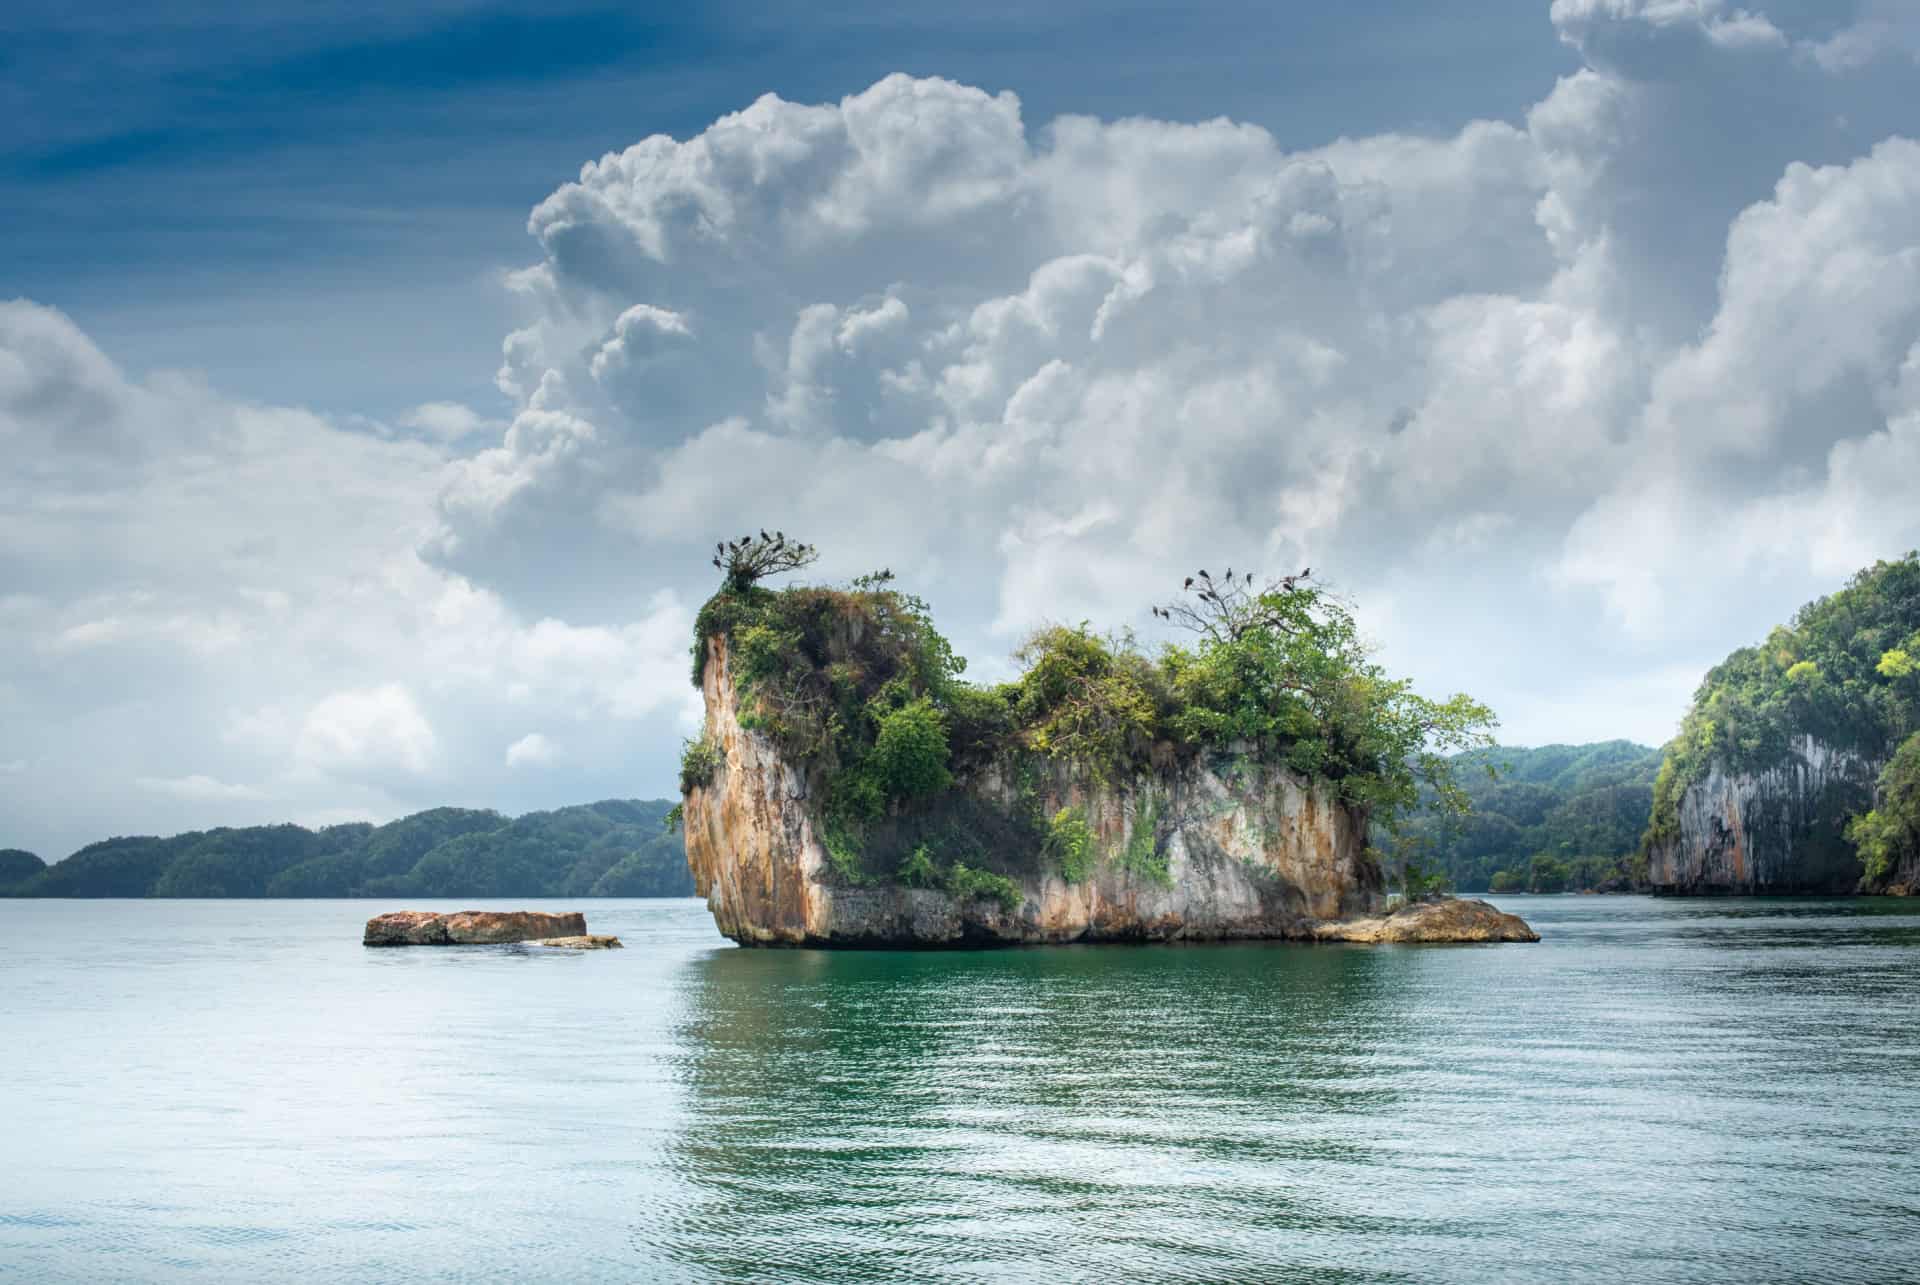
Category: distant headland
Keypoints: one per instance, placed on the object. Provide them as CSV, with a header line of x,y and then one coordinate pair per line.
x,y
614,848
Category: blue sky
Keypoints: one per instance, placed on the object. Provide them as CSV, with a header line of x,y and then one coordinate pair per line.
x,y
374,378
210,184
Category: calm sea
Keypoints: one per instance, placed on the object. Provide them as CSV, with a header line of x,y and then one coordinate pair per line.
x,y
1659,1090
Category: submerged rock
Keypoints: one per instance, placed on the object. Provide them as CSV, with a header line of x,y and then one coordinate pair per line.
x,y
470,927
589,942
1452,919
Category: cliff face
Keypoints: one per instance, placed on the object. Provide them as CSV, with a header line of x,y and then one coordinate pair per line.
x,y
1779,830
1249,850
1903,880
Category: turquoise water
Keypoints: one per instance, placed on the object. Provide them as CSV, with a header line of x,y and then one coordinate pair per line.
x,y
1659,1090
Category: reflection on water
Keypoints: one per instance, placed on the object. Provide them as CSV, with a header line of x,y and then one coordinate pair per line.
x,y
1034,1111
1660,1090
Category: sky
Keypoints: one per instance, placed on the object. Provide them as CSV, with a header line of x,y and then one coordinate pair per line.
x,y
374,380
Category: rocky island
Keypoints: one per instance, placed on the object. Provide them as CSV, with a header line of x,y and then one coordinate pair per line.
x,y
1797,767
484,928
850,789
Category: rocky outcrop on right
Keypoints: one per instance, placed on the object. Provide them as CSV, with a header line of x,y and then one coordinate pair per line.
x,y
1778,830
1775,783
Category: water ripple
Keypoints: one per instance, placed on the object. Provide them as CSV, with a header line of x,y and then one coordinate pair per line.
x,y
1685,1091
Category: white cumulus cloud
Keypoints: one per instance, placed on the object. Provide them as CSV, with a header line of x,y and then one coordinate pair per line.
x,y
533,748
1563,402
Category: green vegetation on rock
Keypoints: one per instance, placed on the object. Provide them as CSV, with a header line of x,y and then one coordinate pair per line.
x,y
1843,672
614,848
1070,844
1888,836
857,687
699,760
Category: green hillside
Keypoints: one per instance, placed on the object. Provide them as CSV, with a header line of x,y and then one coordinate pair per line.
x,y
1557,817
614,848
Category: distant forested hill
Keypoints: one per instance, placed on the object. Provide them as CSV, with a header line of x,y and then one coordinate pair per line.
x,y
1554,818
615,848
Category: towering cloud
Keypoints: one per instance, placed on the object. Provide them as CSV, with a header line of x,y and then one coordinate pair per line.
x,y
1568,404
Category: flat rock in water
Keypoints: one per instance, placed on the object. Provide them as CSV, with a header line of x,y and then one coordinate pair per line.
x,y
470,927
1454,919
589,942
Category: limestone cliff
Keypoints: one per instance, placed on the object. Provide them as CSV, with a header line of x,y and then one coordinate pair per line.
x,y
1204,848
1776,830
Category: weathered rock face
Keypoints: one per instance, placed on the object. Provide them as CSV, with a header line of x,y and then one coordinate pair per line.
x,y
1903,880
1249,850
470,927
1780,830
589,942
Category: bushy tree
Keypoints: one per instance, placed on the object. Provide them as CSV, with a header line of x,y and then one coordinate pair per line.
x,y
910,750
1286,669
753,557
1889,834
1082,697
1545,874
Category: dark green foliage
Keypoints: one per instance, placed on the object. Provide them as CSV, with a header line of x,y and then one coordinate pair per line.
x,y
124,867
1420,881
1144,854
1545,874
699,760
17,866
612,848
241,863
1070,846
1581,804
826,673
1888,836
654,867
393,848
966,883
953,825
1085,698
918,870
336,874
1843,672
910,751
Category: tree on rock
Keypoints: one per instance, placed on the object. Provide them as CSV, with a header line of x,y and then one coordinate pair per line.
x,y
752,558
1889,835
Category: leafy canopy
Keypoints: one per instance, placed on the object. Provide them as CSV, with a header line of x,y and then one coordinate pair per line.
x,y
1888,836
